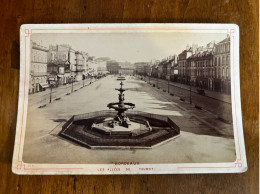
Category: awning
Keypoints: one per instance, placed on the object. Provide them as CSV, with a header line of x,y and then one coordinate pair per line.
x,y
103,72
44,85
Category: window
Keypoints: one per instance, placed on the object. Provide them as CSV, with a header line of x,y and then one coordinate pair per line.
x,y
224,60
227,59
223,72
227,72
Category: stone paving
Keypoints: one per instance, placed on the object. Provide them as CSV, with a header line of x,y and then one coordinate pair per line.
x,y
204,138
215,102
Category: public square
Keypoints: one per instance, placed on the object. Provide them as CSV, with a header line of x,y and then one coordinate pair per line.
x,y
203,138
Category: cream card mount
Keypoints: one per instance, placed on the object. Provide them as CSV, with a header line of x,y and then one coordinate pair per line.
x,y
129,99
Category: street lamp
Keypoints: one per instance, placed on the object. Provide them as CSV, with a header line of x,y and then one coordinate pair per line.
x,y
83,78
190,84
72,78
157,79
169,78
51,86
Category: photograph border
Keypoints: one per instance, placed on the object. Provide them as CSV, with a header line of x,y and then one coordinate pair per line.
x,y
19,167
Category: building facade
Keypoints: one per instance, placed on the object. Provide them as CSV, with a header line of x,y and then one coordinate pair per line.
x,y
221,68
79,66
38,68
113,67
126,71
140,68
183,72
92,66
63,56
102,65
200,67
155,71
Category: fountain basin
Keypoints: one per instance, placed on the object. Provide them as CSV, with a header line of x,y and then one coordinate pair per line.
x,y
92,131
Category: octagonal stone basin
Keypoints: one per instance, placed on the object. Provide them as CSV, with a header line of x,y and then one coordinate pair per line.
x,y
91,130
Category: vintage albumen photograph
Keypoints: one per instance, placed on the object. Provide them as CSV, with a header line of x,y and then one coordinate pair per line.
x,y
137,97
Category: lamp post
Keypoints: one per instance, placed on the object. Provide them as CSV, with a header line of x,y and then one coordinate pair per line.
x,y
51,86
157,79
72,78
190,84
50,94
83,78
169,78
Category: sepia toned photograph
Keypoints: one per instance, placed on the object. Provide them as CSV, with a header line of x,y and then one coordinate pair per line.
x,y
129,98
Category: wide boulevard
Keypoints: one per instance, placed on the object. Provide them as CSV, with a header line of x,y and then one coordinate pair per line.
x,y
204,137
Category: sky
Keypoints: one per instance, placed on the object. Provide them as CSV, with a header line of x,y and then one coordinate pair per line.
x,y
132,47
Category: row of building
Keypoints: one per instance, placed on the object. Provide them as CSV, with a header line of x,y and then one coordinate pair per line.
x,y
123,68
207,67
60,65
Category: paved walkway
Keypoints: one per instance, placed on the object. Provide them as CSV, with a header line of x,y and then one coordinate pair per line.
x,y
220,104
47,91
198,142
43,98
212,94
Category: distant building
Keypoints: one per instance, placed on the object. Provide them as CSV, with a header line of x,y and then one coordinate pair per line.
x,y
38,68
56,73
62,56
126,71
79,66
154,72
183,72
113,67
221,70
85,66
200,67
102,65
126,64
171,68
92,67
126,68
154,67
140,68
148,70
73,65
162,69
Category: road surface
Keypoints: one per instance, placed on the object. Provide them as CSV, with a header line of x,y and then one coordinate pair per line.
x,y
214,102
203,137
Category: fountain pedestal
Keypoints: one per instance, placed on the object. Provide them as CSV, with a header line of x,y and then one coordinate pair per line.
x,y
121,119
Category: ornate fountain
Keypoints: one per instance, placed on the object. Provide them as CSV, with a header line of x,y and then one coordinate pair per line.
x,y
121,119
114,129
